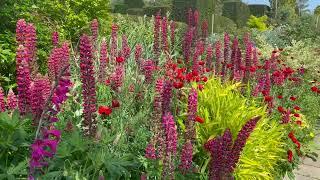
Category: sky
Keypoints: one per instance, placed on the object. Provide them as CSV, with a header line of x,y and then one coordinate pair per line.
x,y
312,3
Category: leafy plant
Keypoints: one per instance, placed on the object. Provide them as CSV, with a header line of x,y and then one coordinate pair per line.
x,y
258,22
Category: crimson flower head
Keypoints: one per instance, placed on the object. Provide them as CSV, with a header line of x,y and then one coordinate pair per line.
x,y
200,87
290,156
296,115
281,109
204,79
199,119
120,59
280,97
292,98
107,82
314,89
105,110
268,98
297,108
201,63
115,103
299,122
178,84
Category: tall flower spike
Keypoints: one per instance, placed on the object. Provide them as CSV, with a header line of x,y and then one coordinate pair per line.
x,y
166,97
88,86
204,28
54,63
20,31
30,41
2,102
218,57
114,41
55,38
192,112
226,54
138,54
198,52
103,61
23,80
171,139
156,31
242,138
187,44
117,78
186,157
172,30
164,30
248,63
39,92
94,29
234,57
12,100
148,68
209,56
125,47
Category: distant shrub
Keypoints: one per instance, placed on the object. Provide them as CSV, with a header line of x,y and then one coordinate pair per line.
x,y
239,12
152,10
258,22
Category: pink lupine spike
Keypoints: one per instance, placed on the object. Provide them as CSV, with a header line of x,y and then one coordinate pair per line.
x,y
2,101
164,30
186,157
234,57
103,61
30,41
55,38
226,53
126,51
114,41
248,63
204,28
148,68
20,31
12,101
157,23
95,29
23,80
138,54
218,58
209,56
172,36
117,78
88,86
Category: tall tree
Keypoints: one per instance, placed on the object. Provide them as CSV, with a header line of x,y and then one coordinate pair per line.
x,y
317,11
302,6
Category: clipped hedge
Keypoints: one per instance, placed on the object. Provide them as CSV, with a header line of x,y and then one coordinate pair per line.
x,y
239,12
152,10
259,10
180,9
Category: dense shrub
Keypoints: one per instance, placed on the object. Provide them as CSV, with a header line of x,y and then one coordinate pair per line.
x,y
239,12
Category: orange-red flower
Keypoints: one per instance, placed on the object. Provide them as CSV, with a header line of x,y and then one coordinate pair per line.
x,y
296,115
199,119
299,122
281,109
280,97
105,110
200,87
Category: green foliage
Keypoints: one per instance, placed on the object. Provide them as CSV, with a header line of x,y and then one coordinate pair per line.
x,y
259,9
8,64
134,3
180,9
238,11
153,10
317,11
15,137
258,22
222,107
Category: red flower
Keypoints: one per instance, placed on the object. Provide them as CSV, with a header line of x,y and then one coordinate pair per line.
x,y
204,79
281,109
200,87
291,135
290,156
201,63
105,110
314,89
120,59
268,98
229,65
195,73
252,69
292,98
297,108
280,97
107,82
178,84
296,115
199,119
299,122
115,103
208,70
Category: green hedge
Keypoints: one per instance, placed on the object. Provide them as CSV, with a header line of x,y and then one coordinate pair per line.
x,y
180,9
152,10
259,10
239,12
134,3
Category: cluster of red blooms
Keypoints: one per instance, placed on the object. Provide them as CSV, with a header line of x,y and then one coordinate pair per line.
x,y
107,110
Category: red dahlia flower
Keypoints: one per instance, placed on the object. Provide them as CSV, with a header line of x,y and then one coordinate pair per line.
x,y
299,122
297,108
105,110
292,98
120,59
280,97
178,84
314,89
281,109
268,98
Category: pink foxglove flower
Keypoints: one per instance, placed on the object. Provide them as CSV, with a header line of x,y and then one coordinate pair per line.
x,y
94,29
147,69
114,41
157,23
117,78
20,31
55,38
172,30
30,41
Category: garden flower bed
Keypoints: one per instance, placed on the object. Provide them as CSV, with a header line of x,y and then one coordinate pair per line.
x,y
163,102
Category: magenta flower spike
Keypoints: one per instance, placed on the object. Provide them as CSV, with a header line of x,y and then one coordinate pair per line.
x,y
12,101
164,30
94,30
55,38
20,31
2,101
103,61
